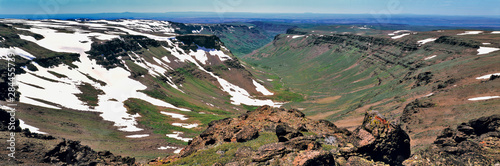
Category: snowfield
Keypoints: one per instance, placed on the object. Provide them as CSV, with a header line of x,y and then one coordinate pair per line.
x,y
4,52
57,93
119,87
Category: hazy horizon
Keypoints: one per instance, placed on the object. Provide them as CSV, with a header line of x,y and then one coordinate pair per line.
x,y
392,7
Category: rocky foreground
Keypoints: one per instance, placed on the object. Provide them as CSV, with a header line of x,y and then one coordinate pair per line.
x,y
38,149
302,141
273,136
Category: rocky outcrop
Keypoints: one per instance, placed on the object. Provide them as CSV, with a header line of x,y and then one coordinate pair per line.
x,y
458,41
474,143
191,42
299,141
381,141
70,152
410,113
285,132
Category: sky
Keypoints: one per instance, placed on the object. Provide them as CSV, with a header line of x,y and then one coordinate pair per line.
x,y
421,7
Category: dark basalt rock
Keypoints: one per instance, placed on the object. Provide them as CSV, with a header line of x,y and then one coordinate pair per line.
x,y
476,142
381,141
191,42
285,132
458,41
70,152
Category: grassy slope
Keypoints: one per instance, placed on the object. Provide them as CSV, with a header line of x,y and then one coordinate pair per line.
x,y
341,82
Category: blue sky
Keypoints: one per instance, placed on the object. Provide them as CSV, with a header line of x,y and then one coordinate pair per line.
x,y
427,7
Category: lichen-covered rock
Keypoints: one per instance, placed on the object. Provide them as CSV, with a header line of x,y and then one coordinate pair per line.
x,y
381,141
269,151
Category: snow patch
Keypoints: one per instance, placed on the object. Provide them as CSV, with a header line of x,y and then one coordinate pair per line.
x,y
470,33
238,95
426,40
486,50
33,129
297,36
430,57
176,135
261,88
484,98
178,151
167,147
7,108
495,32
174,115
185,125
398,31
400,36
487,76
137,136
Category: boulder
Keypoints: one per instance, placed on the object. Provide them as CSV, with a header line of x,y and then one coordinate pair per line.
x,y
314,158
381,141
268,151
285,132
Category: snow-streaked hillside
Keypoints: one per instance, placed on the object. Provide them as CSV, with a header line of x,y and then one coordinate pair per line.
x,y
58,87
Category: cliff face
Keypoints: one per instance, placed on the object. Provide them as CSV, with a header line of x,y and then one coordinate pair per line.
x,y
272,136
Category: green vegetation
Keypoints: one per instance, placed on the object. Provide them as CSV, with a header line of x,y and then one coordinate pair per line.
x,y
249,108
346,69
89,94
160,123
210,156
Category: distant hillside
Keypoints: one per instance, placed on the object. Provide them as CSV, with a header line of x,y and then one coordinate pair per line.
x,y
425,81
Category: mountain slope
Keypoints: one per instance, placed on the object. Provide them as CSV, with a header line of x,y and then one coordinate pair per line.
x,y
344,75
124,82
